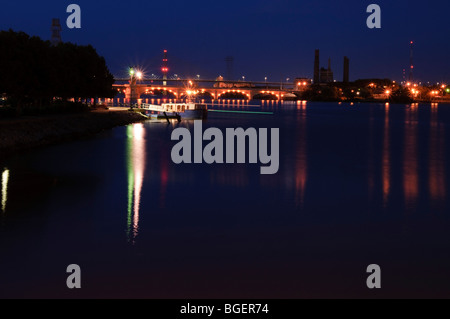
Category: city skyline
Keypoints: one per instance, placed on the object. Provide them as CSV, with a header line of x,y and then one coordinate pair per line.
x,y
267,39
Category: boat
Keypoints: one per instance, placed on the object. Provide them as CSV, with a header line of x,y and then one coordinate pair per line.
x,y
188,110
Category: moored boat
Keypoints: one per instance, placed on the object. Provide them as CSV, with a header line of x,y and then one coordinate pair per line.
x,y
188,110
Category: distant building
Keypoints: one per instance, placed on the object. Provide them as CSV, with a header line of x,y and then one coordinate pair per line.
x,y
326,75
346,70
322,75
301,84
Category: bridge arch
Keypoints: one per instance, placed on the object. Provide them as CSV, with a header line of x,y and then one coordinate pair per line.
x,y
266,95
159,92
234,94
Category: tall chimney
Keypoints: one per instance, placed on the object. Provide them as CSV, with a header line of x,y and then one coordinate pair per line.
x,y
346,70
317,67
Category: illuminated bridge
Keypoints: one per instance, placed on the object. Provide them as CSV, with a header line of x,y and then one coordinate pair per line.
x,y
134,88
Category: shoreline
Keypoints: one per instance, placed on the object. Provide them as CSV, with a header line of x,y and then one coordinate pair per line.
x,y
21,134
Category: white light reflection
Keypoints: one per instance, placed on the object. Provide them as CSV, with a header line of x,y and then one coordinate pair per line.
x,y
5,179
136,160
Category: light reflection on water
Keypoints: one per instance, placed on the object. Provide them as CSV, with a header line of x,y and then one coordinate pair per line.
x,y
202,221
136,163
414,160
390,176
386,170
437,186
301,163
410,160
5,180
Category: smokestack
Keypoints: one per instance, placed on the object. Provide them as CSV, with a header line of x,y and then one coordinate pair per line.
x,y
346,69
317,67
229,61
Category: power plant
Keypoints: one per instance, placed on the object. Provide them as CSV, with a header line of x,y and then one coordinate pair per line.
x,y
326,75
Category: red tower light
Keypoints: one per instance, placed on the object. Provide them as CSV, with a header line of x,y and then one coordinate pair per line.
x,y
411,62
165,68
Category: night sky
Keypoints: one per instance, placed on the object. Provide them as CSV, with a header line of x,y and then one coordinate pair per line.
x,y
269,38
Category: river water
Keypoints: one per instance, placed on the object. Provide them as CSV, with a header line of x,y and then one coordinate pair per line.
x,y
357,185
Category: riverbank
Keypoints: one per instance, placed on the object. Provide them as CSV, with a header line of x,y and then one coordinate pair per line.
x,y
30,132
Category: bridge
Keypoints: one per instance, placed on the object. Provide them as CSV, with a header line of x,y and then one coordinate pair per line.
x,y
134,88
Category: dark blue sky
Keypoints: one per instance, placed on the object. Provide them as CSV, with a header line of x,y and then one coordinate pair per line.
x,y
266,37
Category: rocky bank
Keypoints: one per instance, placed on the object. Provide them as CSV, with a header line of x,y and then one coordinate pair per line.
x,y
30,132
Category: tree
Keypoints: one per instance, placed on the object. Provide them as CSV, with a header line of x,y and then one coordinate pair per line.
x,y
33,72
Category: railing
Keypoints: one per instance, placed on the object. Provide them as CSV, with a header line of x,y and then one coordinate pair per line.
x,y
175,107
182,81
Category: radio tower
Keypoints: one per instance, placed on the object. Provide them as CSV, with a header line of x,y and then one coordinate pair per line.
x,y
411,63
56,32
165,68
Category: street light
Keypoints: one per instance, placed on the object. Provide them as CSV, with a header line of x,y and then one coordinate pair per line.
x,y
139,75
243,78
132,83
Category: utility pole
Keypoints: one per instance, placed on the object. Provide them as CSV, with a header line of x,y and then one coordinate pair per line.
x,y
165,68
411,63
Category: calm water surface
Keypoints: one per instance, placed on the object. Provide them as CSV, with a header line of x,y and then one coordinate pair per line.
x,y
358,185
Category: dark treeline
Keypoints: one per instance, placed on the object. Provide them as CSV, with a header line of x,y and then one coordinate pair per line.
x,y
34,75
